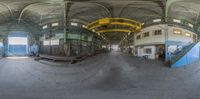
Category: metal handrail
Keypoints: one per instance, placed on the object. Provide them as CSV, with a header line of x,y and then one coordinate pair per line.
x,y
181,53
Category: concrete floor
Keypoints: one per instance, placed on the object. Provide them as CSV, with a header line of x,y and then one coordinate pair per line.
x,y
105,76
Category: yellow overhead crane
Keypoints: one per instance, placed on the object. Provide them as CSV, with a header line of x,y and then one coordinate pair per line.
x,y
134,26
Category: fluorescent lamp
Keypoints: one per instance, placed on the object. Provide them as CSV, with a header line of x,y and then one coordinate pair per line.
x,y
93,30
84,26
45,27
156,20
176,20
55,24
190,25
74,24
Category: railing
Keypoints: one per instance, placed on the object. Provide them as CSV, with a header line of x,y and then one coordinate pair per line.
x,y
177,55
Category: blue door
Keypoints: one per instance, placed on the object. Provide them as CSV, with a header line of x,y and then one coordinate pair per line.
x,y
17,43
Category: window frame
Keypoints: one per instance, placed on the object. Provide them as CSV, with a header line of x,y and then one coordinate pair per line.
x,y
194,37
187,34
181,32
138,37
148,50
156,33
146,34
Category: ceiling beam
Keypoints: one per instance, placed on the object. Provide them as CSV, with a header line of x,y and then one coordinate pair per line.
x,y
168,4
27,7
5,5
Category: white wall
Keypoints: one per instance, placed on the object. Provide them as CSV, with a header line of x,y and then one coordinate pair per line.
x,y
153,50
141,52
160,39
152,39
182,37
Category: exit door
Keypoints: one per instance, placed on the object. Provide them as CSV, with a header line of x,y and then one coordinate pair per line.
x,y
17,44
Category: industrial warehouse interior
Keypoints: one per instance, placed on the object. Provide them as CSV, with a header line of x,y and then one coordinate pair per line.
x,y
99,49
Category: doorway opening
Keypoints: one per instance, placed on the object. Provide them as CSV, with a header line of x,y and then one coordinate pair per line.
x,y
18,44
115,47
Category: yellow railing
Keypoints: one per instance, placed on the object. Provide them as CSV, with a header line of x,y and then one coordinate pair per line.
x,y
134,26
114,30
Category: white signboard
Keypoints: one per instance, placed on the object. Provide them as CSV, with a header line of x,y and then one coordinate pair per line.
x,y
54,42
46,42
51,42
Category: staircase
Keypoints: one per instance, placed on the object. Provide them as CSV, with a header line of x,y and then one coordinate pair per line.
x,y
187,55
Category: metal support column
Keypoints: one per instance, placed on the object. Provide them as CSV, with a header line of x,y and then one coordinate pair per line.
x,y
166,40
50,37
67,5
